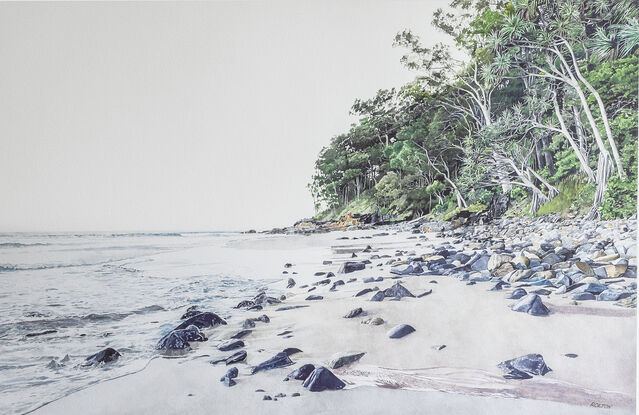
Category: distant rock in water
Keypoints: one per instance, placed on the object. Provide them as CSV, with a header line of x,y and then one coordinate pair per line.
x,y
291,283
400,331
179,339
190,312
531,363
322,379
279,360
202,321
301,373
107,355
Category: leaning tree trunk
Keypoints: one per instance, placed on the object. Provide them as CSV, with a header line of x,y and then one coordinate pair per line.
x,y
604,171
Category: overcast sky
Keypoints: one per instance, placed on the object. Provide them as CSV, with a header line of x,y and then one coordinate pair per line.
x,y
183,116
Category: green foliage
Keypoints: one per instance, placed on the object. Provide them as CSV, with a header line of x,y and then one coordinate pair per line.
x,y
569,190
474,208
517,194
620,200
487,122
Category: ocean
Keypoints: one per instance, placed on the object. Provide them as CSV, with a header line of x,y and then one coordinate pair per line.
x,y
66,296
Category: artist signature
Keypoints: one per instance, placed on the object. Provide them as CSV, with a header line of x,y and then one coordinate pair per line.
x,y
599,405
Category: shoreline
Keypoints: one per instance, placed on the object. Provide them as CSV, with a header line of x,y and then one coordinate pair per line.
x,y
476,326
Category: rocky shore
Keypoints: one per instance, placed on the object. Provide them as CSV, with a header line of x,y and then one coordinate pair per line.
x,y
512,308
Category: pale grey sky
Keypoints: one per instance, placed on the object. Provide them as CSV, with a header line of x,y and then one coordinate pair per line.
x,y
183,116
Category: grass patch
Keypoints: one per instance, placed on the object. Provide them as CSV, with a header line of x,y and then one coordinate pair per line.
x,y
571,197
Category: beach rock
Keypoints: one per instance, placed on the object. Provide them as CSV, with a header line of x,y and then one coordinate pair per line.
x,y
585,268
314,298
230,374
291,283
364,291
244,304
551,259
531,304
344,359
531,363
279,360
517,375
497,260
571,355
267,398
517,294
232,344
425,293
400,331
336,284
235,357
379,296
289,351
374,321
542,291
326,262
190,312
202,321
107,355
179,339
348,267
354,312
291,307
481,264
590,288
227,381
301,373
397,291
583,296
613,295
322,379
410,269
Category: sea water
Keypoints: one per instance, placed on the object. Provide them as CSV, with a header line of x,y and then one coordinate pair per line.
x,y
75,294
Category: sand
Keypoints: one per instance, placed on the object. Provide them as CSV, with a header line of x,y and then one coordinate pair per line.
x,y
408,375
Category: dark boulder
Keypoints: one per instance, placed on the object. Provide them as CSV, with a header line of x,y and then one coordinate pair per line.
x,y
279,360
354,313
531,363
179,339
301,373
532,305
234,358
244,304
400,331
314,298
202,321
291,283
190,312
348,267
241,333
379,296
517,294
107,355
364,291
323,379
232,344
398,291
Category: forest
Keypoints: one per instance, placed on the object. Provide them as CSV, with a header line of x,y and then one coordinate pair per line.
x,y
543,109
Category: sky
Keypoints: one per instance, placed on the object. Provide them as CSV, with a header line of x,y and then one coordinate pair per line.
x,y
183,116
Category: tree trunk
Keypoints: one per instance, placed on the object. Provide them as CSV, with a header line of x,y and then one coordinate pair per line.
x,y
604,171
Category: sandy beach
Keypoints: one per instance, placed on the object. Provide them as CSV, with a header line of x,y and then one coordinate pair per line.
x,y
414,374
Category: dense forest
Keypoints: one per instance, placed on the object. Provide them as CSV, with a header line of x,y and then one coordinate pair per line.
x,y
543,109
